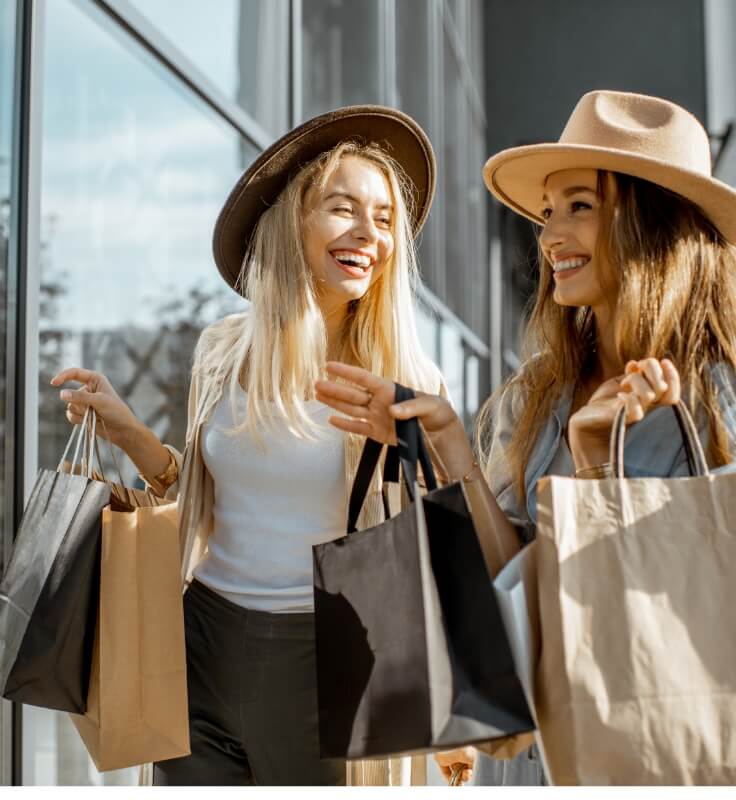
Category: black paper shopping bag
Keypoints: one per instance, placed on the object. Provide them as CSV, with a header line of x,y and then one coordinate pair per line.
x,y
49,592
412,653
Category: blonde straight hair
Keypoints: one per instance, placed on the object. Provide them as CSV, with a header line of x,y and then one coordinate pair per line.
x,y
673,291
280,349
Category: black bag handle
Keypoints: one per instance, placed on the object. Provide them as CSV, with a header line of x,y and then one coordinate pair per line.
x,y
410,450
696,459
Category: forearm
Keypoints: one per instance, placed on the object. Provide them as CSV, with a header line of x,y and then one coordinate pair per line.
x,y
498,538
144,449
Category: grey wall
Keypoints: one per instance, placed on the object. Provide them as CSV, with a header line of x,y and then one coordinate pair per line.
x,y
543,55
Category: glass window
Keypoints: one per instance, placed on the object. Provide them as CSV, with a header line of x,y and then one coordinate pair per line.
x,y
7,75
135,170
341,54
413,65
453,171
472,380
7,80
452,358
477,40
242,46
428,330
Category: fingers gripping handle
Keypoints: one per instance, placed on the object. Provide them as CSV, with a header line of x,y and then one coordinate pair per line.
x,y
412,447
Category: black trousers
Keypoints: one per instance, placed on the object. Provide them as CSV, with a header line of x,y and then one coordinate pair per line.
x,y
252,688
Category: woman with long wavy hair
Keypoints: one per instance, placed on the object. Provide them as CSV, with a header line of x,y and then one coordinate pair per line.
x,y
636,306
318,236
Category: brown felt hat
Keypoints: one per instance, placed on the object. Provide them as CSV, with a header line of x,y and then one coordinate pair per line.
x,y
634,134
263,181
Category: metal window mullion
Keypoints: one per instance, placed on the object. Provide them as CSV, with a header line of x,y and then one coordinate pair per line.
x,y
135,24
447,316
23,286
438,137
295,46
388,46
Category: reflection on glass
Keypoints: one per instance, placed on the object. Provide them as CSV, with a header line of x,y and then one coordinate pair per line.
x,y
242,46
340,54
134,173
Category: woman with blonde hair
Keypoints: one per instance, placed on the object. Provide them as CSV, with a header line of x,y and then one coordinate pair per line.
x,y
318,235
636,306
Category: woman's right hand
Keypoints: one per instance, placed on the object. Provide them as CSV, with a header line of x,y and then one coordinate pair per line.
x,y
96,392
370,410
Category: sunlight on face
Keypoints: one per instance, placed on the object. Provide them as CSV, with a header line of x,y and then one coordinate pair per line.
x,y
348,231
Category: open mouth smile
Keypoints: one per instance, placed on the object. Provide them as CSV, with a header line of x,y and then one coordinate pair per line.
x,y
355,264
567,267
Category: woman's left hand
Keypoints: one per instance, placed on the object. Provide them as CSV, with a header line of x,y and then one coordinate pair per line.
x,y
646,384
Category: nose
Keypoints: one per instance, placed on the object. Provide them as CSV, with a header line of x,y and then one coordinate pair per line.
x,y
365,229
554,233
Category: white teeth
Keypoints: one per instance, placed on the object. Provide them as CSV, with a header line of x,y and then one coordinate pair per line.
x,y
352,259
570,263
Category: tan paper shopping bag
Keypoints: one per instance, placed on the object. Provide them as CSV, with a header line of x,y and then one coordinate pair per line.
x,y
137,703
637,679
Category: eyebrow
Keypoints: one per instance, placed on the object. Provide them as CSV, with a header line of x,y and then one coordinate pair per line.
x,y
354,199
573,190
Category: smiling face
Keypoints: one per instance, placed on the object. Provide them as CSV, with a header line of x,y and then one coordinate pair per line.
x,y
572,213
348,231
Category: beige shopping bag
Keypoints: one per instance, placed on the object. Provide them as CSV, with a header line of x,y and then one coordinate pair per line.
x,y
137,703
637,676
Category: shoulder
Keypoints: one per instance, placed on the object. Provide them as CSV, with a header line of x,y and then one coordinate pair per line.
x,y
223,331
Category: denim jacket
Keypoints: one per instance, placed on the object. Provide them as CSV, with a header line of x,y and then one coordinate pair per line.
x,y
654,446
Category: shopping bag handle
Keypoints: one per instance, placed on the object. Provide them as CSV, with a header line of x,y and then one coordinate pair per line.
x,y
696,459
409,450
86,436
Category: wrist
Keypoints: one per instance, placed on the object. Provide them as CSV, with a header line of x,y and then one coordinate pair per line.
x,y
586,452
452,446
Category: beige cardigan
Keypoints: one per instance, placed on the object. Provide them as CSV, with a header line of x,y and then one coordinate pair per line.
x,y
194,492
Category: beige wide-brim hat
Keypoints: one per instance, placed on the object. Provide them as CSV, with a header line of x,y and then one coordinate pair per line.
x,y
264,180
634,134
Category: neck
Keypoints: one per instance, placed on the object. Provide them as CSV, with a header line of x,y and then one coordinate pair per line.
x,y
334,317
608,364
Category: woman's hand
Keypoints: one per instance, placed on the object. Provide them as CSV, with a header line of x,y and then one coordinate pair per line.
x,y
96,392
121,426
371,411
646,384
450,760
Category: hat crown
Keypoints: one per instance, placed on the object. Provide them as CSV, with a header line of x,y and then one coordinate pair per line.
x,y
640,125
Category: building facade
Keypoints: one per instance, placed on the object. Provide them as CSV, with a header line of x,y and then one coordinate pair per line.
x,y
123,125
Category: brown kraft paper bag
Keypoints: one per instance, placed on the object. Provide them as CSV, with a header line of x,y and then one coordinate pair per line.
x,y
137,702
636,681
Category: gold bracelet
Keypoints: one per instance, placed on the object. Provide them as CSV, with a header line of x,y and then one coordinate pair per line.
x,y
468,477
596,472
161,483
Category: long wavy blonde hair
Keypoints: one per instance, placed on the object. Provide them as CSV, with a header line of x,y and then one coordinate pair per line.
x,y
279,349
674,296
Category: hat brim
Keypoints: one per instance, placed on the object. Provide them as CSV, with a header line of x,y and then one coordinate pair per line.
x,y
265,179
517,177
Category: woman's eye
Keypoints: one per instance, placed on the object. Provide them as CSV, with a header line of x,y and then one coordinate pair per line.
x,y
343,209
546,213
578,205
384,221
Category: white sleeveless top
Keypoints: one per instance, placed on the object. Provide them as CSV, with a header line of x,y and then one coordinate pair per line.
x,y
270,507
